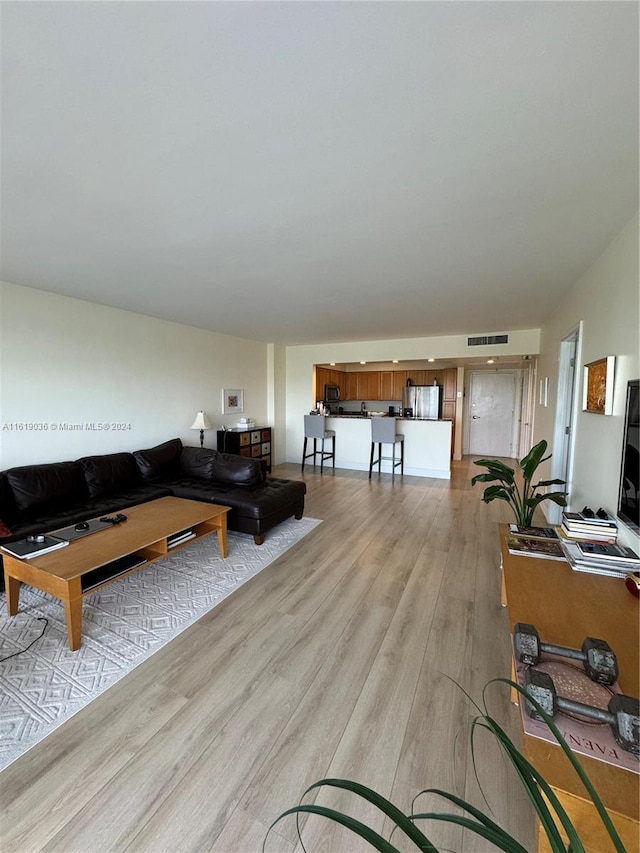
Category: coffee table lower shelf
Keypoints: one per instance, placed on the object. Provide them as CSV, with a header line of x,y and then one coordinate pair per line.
x,y
47,573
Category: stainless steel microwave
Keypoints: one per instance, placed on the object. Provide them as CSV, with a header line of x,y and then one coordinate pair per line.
x,y
331,393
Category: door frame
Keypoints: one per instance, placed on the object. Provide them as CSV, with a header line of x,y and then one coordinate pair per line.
x,y
567,402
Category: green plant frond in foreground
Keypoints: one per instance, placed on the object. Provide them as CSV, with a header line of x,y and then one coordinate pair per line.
x,y
399,819
579,770
377,841
545,802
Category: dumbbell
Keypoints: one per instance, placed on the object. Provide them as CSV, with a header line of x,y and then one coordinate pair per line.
x,y
623,713
597,656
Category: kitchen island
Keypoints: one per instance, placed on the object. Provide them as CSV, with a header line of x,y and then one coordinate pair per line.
x,y
427,445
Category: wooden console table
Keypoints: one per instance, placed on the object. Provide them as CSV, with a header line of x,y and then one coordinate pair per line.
x,y
71,572
567,606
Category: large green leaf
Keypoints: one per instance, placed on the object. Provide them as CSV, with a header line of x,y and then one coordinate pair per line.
x,y
489,478
386,806
534,457
557,498
499,835
495,466
377,841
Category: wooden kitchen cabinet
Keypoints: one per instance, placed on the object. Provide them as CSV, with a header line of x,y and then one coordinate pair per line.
x,y
385,385
322,379
368,385
450,384
417,377
329,376
448,410
399,382
351,387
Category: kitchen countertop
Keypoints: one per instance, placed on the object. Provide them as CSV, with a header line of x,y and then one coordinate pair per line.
x,y
427,445
368,417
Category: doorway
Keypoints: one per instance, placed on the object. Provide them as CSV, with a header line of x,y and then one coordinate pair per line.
x,y
491,413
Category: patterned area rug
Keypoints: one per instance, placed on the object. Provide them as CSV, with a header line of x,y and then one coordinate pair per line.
x,y
122,625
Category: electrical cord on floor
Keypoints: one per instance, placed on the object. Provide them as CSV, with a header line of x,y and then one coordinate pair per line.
x,y
15,654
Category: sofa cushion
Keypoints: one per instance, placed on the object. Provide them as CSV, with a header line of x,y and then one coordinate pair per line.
x,y
257,503
197,463
109,473
61,483
54,517
159,461
237,470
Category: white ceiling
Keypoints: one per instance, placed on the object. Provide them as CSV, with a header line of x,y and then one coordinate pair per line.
x,y
321,171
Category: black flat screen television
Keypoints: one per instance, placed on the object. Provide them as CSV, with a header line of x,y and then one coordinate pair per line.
x,y
629,494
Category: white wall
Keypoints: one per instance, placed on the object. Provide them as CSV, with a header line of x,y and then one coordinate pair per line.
x,y
64,360
301,359
606,299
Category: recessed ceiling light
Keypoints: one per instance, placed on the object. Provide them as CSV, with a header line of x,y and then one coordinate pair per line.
x,y
431,359
332,364
363,362
395,361
489,361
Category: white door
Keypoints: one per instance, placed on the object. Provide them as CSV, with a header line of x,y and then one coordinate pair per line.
x,y
491,413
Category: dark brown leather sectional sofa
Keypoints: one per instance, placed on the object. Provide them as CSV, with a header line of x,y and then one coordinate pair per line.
x,y
45,497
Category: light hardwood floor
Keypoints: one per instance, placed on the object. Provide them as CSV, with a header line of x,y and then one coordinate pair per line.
x,y
337,660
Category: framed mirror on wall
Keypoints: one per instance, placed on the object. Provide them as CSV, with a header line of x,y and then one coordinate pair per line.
x,y
629,494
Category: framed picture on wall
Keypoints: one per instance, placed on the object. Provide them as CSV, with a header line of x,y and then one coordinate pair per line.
x,y
597,391
232,401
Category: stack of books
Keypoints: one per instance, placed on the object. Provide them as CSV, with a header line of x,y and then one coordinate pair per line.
x,y
601,558
541,542
179,538
575,525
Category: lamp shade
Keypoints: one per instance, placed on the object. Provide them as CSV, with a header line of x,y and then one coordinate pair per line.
x,y
201,422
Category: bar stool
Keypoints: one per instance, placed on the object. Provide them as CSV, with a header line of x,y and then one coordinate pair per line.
x,y
383,431
314,427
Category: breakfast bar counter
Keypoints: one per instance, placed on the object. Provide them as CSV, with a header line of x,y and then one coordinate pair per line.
x,y
427,445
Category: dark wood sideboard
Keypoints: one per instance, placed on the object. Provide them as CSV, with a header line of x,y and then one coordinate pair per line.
x,y
253,443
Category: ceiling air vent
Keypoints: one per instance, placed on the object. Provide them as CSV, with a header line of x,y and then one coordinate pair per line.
x,y
485,340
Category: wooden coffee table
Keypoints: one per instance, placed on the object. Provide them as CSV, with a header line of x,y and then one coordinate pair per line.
x,y
84,565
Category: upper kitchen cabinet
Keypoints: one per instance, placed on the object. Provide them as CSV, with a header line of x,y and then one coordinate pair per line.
x,y
368,385
391,384
362,385
399,382
351,387
385,387
328,376
417,377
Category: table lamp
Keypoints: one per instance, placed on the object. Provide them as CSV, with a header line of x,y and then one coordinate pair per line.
x,y
201,422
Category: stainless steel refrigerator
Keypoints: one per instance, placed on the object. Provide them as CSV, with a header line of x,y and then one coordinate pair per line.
x,y
423,400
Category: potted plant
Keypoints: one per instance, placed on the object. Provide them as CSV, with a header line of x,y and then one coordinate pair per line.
x,y
545,802
522,496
